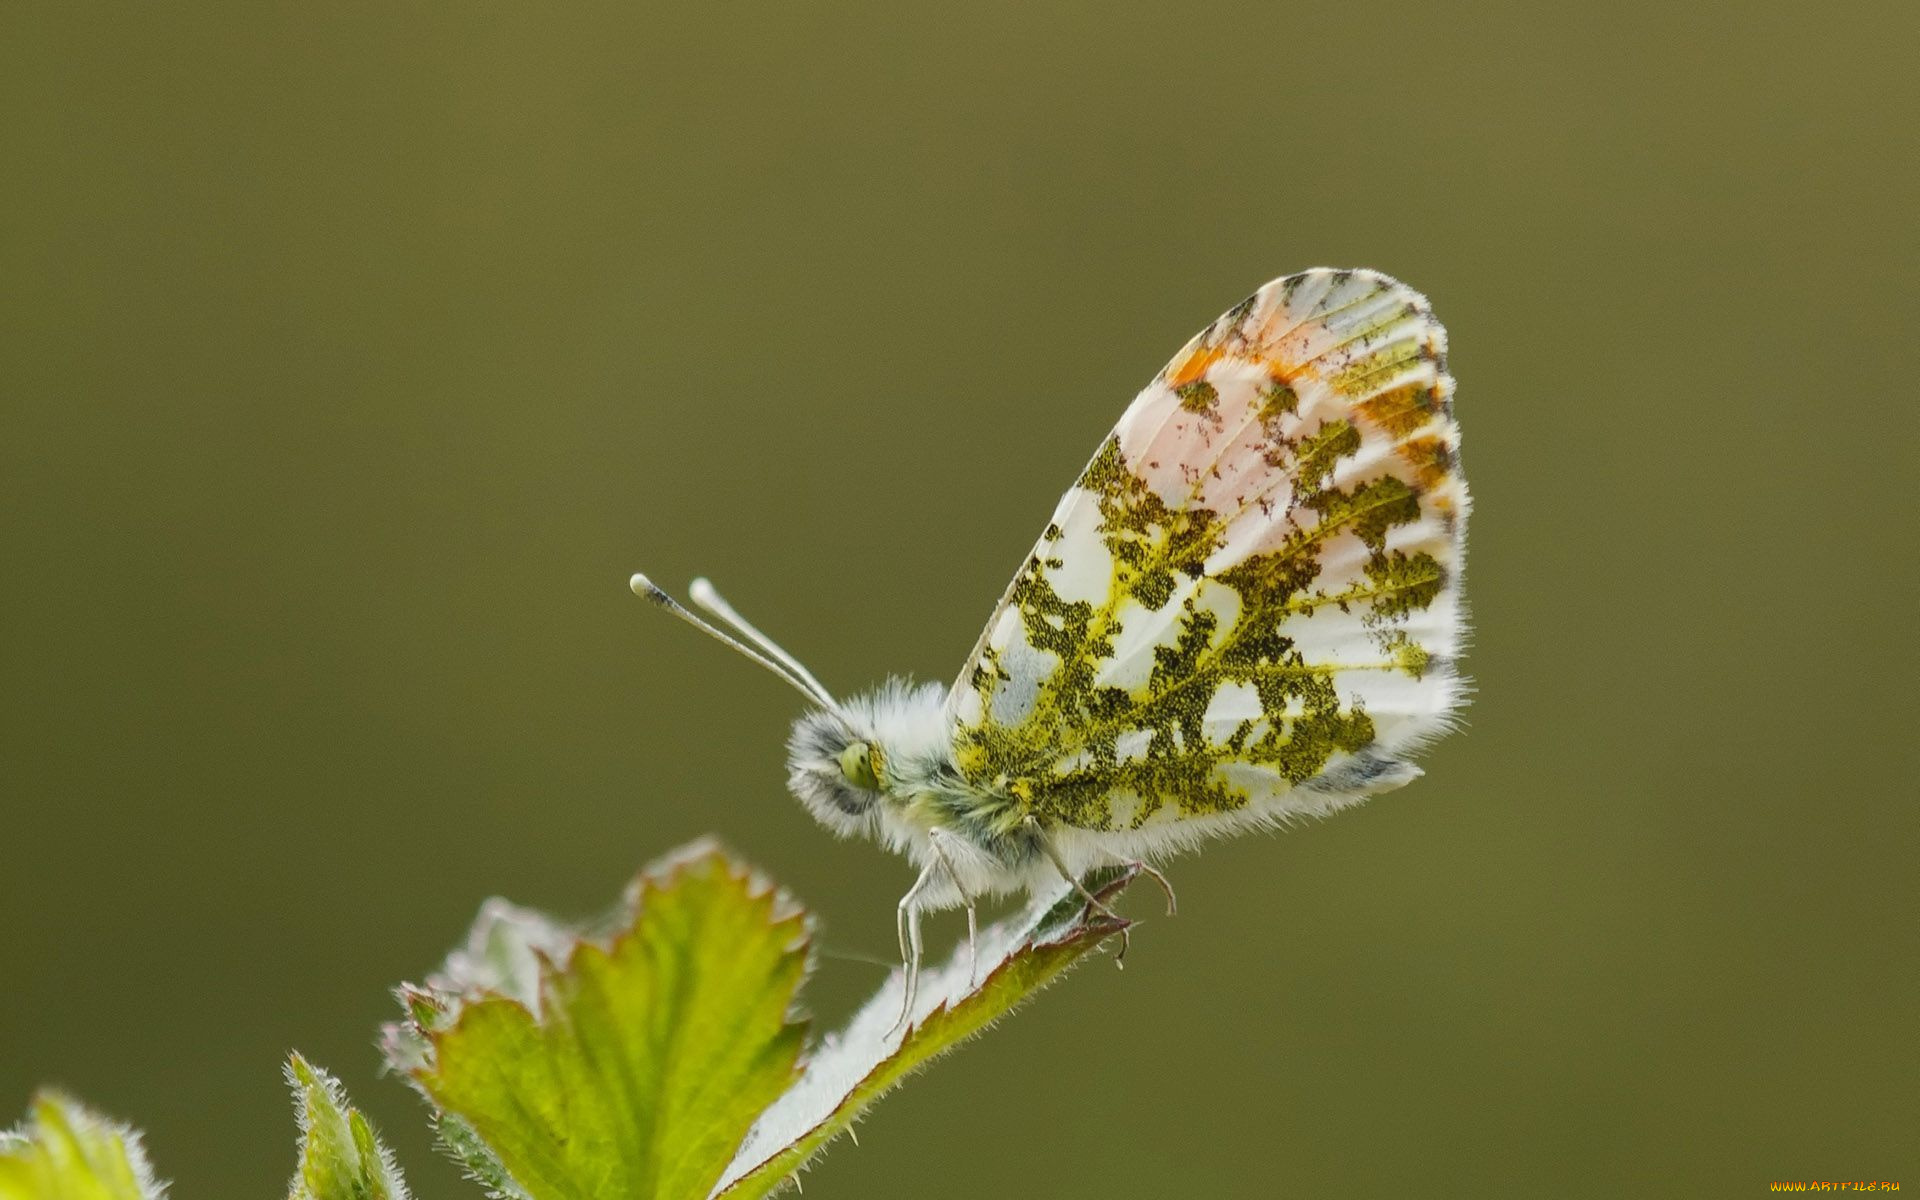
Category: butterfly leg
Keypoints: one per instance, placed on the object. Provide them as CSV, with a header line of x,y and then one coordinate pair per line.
x,y
908,923
938,837
973,947
1152,872
1094,902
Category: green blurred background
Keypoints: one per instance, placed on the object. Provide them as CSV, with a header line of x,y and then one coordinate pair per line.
x,y
352,355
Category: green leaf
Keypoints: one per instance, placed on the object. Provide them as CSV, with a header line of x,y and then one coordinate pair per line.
x,y
630,1069
1017,958
653,1055
340,1158
482,1165
64,1152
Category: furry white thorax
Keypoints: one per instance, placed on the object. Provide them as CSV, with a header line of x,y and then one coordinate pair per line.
x,y
920,809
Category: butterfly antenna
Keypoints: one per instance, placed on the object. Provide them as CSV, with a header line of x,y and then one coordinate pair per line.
x,y
647,589
702,592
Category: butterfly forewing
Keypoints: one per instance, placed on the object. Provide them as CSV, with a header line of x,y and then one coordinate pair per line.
x,y
1248,605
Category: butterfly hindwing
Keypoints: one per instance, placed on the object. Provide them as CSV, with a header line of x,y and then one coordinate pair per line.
x,y
1248,605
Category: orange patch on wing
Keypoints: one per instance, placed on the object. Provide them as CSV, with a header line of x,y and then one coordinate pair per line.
x,y
1193,366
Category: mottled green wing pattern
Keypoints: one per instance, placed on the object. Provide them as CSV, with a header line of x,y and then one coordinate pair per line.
x,y
1248,606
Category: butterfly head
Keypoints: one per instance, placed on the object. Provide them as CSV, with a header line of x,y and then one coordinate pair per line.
x,y
839,771
853,763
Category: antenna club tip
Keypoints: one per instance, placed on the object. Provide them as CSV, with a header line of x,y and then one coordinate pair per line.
x,y
702,590
645,588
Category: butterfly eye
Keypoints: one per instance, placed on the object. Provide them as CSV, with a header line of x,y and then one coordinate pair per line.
x,y
860,763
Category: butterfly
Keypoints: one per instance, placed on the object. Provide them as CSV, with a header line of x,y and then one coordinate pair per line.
x,y
1245,611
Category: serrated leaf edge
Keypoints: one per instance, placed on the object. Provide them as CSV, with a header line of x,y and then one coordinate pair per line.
x,y
1046,933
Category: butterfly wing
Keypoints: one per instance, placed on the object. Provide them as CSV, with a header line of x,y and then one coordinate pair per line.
x,y
1248,605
